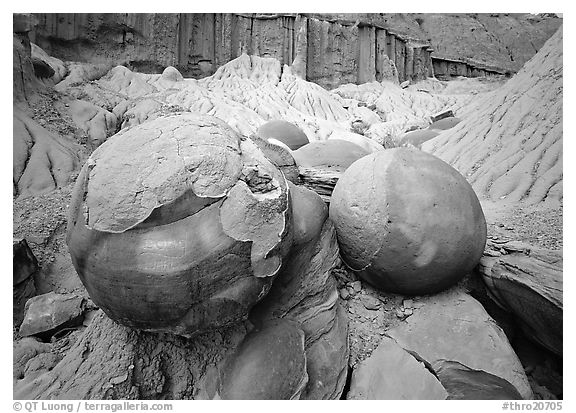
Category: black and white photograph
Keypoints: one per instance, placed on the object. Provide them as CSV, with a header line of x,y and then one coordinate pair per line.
x,y
287,206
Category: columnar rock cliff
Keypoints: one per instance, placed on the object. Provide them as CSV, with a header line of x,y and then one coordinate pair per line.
x,y
327,51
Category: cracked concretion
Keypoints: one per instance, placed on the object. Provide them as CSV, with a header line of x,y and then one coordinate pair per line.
x,y
168,233
143,168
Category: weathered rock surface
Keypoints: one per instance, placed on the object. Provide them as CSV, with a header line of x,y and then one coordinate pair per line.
x,y
131,223
325,50
391,373
400,109
24,265
110,361
56,66
96,122
305,291
270,364
464,383
455,327
25,350
407,222
527,281
46,313
320,181
42,161
25,83
509,143
486,40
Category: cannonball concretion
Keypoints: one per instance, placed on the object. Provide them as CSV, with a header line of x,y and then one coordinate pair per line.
x,y
285,132
178,225
407,222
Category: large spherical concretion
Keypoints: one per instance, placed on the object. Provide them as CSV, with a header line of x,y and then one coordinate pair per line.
x,y
178,225
285,132
407,222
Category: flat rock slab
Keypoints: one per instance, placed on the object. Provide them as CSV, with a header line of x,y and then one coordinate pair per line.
x,y
47,312
454,326
527,281
391,373
464,383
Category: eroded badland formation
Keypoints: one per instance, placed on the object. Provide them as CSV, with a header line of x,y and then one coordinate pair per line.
x,y
296,206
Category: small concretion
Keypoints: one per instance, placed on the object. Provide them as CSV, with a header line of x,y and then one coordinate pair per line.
x,y
417,138
285,132
270,364
332,154
172,74
407,222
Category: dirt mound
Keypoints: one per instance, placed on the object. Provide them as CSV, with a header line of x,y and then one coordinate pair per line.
x,y
509,144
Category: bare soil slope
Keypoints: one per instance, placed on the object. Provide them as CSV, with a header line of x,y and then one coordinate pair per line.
x,y
509,145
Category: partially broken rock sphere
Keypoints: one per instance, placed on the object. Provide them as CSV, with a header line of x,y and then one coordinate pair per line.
x,y
407,222
284,132
178,225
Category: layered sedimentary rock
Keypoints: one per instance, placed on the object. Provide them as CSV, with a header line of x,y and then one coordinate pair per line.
x,y
473,44
527,281
305,292
453,326
324,50
509,143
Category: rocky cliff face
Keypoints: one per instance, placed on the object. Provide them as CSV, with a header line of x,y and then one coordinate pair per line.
x,y
497,41
327,51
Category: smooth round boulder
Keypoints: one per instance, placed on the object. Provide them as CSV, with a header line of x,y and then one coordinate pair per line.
x,y
178,225
270,364
417,138
172,74
366,143
332,154
285,132
407,222
445,124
